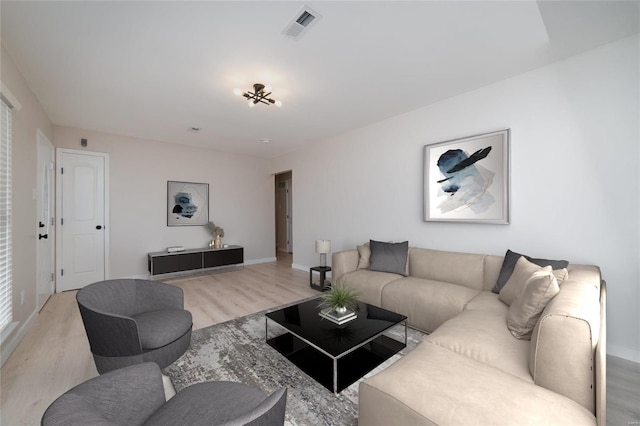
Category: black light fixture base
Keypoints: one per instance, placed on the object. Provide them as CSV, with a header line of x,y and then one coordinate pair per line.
x,y
260,96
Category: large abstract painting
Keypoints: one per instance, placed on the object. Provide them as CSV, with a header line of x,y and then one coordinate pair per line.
x,y
467,180
187,203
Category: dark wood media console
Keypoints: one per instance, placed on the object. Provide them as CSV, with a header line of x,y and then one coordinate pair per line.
x,y
162,262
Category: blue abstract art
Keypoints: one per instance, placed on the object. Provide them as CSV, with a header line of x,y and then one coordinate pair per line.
x,y
466,180
187,203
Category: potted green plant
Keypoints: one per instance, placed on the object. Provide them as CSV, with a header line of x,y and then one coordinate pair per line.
x,y
339,298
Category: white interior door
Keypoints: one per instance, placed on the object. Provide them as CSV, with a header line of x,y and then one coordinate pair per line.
x,y
45,226
83,204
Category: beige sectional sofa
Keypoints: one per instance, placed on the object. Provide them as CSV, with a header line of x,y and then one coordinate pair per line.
x,y
470,369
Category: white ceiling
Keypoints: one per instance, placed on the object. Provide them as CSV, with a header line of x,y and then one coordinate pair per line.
x,y
155,69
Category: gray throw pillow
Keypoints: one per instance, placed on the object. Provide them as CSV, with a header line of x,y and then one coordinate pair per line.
x,y
389,257
510,259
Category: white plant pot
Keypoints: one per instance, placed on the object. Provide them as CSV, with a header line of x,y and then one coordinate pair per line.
x,y
341,310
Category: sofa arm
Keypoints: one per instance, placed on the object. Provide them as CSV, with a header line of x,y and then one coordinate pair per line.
x,y
343,262
125,396
562,352
110,335
601,360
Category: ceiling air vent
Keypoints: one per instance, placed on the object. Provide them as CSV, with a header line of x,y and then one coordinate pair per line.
x,y
303,21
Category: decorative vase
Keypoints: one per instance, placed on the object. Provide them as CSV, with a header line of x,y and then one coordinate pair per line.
x,y
341,310
212,243
217,243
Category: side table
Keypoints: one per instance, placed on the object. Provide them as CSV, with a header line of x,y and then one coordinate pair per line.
x,y
323,285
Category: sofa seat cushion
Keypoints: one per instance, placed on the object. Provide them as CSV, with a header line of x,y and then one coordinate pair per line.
x,y
487,301
433,385
427,303
368,284
159,328
483,335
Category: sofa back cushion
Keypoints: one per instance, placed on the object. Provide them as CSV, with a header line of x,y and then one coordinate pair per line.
x,y
492,266
450,267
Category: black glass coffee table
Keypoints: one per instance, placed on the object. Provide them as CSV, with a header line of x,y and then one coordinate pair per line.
x,y
335,355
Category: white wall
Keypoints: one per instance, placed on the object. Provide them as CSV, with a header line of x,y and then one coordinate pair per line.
x,y
574,176
25,124
241,197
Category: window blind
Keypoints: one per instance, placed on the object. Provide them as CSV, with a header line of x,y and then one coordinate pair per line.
x,y
5,217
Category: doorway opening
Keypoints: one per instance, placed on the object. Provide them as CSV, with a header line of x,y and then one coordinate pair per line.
x,y
284,217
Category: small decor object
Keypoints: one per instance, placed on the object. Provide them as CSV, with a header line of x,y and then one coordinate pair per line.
x,y
187,203
323,247
340,302
467,180
338,317
217,233
260,94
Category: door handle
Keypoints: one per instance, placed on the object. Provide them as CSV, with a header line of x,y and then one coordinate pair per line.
x,y
40,225
98,227
45,236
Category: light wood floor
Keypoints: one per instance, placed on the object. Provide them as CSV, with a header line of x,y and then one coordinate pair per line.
x,y
54,355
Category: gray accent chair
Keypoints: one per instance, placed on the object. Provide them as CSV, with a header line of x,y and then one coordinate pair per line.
x,y
135,396
131,321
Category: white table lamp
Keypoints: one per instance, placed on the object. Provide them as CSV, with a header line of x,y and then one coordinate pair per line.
x,y
323,247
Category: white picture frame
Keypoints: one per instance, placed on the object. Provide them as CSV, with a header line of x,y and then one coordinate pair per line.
x,y
187,203
467,179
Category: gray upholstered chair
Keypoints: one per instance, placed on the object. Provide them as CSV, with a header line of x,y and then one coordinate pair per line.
x,y
130,321
135,396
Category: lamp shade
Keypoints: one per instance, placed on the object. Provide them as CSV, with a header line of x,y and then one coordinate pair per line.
x,y
323,246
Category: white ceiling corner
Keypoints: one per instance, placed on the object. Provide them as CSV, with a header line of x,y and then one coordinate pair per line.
x,y
154,69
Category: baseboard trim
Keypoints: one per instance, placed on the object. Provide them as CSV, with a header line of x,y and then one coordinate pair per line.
x,y
300,267
622,352
9,346
138,277
263,260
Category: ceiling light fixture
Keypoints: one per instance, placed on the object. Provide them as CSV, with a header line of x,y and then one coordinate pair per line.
x,y
260,94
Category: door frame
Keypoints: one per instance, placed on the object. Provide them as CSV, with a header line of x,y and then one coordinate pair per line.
x,y
289,213
107,225
42,138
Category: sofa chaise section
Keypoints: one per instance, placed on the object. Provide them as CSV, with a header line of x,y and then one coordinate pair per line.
x,y
470,369
435,386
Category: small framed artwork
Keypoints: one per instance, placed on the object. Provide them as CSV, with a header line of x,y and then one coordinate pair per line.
x,y
187,203
467,180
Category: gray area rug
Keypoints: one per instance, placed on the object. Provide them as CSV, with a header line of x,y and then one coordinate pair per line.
x,y
236,351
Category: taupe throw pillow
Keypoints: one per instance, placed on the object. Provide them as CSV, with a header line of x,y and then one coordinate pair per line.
x,y
561,275
364,251
514,286
524,313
